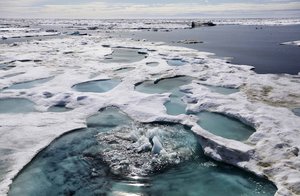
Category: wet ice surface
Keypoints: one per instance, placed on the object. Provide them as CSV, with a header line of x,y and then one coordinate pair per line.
x,y
5,67
16,105
222,90
109,117
123,70
11,75
58,109
163,85
152,64
175,105
72,165
124,55
265,101
98,86
29,84
176,62
224,126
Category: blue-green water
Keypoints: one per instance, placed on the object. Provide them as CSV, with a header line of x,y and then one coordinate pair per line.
x,y
110,117
163,85
16,105
97,86
176,62
175,106
29,84
222,90
71,165
124,55
224,126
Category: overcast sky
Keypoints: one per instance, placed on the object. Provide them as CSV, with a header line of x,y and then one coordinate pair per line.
x,y
148,8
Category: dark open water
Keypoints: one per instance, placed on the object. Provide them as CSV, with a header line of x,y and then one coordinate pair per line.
x,y
245,44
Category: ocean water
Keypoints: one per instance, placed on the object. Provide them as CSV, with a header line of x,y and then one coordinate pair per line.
x,y
258,46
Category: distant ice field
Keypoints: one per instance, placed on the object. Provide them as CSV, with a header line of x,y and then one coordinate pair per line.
x,y
262,43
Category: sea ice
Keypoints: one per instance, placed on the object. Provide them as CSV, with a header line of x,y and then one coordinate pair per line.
x,y
24,32
264,101
157,146
296,43
140,149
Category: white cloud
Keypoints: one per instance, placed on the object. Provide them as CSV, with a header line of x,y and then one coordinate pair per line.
x,y
17,3
23,8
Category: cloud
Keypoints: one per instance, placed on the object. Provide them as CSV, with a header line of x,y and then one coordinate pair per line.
x,y
26,8
17,3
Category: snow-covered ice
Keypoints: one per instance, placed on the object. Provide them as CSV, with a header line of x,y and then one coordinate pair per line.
x,y
265,101
258,21
23,32
295,43
141,149
45,27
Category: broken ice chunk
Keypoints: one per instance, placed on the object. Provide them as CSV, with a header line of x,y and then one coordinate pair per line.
x,y
153,132
143,51
142,145
157,146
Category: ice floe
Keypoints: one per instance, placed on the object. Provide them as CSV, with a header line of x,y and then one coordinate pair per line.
x,y
139,150
20,28
6,33
295,43
258,21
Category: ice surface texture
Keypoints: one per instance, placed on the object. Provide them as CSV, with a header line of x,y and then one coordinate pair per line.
x,y
263,101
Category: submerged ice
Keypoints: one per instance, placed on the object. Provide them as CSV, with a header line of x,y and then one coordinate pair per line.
x,y
29,84
98,86
175,105
140,150
224,126
163,85
124,55
73,163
